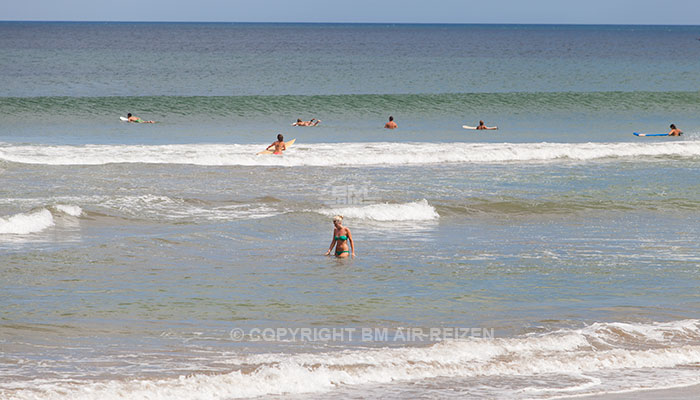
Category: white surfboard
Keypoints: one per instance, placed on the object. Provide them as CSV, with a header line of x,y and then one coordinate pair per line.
x,y
125,119
474,127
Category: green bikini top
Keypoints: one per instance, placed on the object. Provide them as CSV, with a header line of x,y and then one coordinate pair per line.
x,y
341,237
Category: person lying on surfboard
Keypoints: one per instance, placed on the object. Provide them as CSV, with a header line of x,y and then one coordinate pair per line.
x,y
306,123
279,145
341,237
674,131
484,127
131,118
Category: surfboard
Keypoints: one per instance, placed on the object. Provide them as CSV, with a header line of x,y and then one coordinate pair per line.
x,y
650,134
474,127
125,119
288,144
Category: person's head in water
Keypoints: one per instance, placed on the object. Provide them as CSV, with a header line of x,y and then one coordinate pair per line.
x,y
280,137
391,118
299,120
128,115
673,126
481,122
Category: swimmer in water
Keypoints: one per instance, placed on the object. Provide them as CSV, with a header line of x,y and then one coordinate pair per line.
x,y
674,131
391,124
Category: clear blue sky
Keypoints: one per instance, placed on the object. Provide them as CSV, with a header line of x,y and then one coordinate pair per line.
x,y
656,12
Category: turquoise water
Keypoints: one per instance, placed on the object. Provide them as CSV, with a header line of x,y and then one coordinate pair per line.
x,y
132,255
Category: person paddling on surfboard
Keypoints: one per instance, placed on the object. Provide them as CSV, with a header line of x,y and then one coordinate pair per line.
x,y
131,118
341,237
674,131
279,145
484,127
306,123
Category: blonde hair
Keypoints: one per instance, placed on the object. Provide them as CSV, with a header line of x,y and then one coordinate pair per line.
x,y
338,218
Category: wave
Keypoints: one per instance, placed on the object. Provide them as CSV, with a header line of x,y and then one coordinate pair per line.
x,y
155,206
169,107
164,208
415,211
35,221
68,209
599,358
24,223
174,208
347,154
563,204
161,207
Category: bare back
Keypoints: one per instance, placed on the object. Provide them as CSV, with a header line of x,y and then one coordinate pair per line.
x,y
280,146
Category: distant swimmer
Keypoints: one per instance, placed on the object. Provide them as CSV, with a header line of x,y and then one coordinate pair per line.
x,y
391,124
484,127
279,145
674,131
341,237
131,118
312,122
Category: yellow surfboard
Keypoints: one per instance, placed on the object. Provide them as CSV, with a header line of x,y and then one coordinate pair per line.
x,y
288,144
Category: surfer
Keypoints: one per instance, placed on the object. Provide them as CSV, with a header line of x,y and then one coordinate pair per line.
x,y
279,145
306,123
341,237
132,118
484,127
674,131
391,124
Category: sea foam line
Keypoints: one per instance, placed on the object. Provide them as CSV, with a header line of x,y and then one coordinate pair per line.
x,y
608,352
326,154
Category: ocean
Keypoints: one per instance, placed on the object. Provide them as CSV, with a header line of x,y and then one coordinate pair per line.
x,y
555,257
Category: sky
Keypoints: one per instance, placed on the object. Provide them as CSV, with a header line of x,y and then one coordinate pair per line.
x,y
653,12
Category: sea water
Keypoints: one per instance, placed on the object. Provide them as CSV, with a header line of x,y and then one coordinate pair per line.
x,y
556,256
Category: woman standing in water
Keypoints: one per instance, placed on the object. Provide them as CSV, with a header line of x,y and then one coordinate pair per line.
x,y
341,237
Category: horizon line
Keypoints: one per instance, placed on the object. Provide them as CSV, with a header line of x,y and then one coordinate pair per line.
x,y
342,23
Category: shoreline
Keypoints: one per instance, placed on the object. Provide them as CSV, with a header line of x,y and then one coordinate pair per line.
x,y
682,392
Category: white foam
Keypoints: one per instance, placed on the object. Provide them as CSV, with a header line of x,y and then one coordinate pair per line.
x,y
415,211
326,154
24,223
565,354
71,210
159,206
